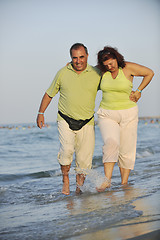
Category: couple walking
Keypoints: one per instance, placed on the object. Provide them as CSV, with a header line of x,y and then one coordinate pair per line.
x,y
78,83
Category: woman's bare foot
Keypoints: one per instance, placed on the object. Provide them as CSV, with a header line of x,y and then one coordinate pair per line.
x,y
104,185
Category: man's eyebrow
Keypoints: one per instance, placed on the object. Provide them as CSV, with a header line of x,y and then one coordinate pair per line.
x,y
80,56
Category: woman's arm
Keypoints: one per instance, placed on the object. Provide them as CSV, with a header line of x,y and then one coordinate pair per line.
x,y
134,69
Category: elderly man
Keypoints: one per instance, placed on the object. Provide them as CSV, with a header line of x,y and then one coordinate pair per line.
x,y
78,84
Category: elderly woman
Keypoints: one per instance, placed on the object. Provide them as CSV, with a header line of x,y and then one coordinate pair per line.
x,y
118,111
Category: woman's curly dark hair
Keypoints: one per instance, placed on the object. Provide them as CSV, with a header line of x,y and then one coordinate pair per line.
x,y
107,53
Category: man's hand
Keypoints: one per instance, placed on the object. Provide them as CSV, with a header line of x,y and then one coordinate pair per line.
x,y
40,121
44,104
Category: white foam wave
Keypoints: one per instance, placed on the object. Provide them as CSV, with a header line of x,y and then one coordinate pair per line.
x,y
144,153
93,180
3,189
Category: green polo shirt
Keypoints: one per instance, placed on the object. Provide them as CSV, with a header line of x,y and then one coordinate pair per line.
x,y
77,91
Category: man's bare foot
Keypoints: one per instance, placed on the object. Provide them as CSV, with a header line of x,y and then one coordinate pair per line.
x,y
65,188
80,180
78,190
104,185
65,171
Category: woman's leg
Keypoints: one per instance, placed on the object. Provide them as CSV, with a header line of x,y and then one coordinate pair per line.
x,y
128,140
108,169
124,175
110,132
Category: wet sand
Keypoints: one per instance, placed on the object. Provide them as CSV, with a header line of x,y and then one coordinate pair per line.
x,y
145,227
155,235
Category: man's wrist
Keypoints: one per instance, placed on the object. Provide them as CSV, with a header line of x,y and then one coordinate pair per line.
x,y
41,113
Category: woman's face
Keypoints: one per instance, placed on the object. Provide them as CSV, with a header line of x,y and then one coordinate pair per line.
x,y
111,65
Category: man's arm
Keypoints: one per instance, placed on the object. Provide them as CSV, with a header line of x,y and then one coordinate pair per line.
x,y
44,104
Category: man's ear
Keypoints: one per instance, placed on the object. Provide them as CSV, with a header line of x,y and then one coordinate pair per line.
x,y
68,63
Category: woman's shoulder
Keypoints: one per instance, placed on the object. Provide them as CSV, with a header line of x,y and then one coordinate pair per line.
x,y
129,64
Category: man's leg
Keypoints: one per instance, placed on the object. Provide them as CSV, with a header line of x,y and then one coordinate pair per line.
x,y
84,148
79,180
65,155
65,174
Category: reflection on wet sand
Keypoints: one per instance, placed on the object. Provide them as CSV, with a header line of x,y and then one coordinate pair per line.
x,y
148,221
98,201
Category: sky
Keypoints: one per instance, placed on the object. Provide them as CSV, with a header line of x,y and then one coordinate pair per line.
x,y
36,36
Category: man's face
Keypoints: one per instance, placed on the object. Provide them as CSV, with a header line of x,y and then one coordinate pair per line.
x,y
79,59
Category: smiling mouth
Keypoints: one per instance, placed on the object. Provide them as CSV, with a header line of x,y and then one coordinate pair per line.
x,y
79,65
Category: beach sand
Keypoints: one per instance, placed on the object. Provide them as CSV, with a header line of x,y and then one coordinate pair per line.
x,y
146,226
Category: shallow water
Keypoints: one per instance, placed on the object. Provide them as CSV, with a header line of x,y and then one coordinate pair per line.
x,y
31,203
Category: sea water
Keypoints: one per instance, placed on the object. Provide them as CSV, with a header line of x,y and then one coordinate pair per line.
x,y
31,203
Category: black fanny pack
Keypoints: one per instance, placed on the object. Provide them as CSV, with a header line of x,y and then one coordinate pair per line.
x,y
74,125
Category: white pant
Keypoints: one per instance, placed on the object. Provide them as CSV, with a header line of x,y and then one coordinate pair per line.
x,y
119,133
81,142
